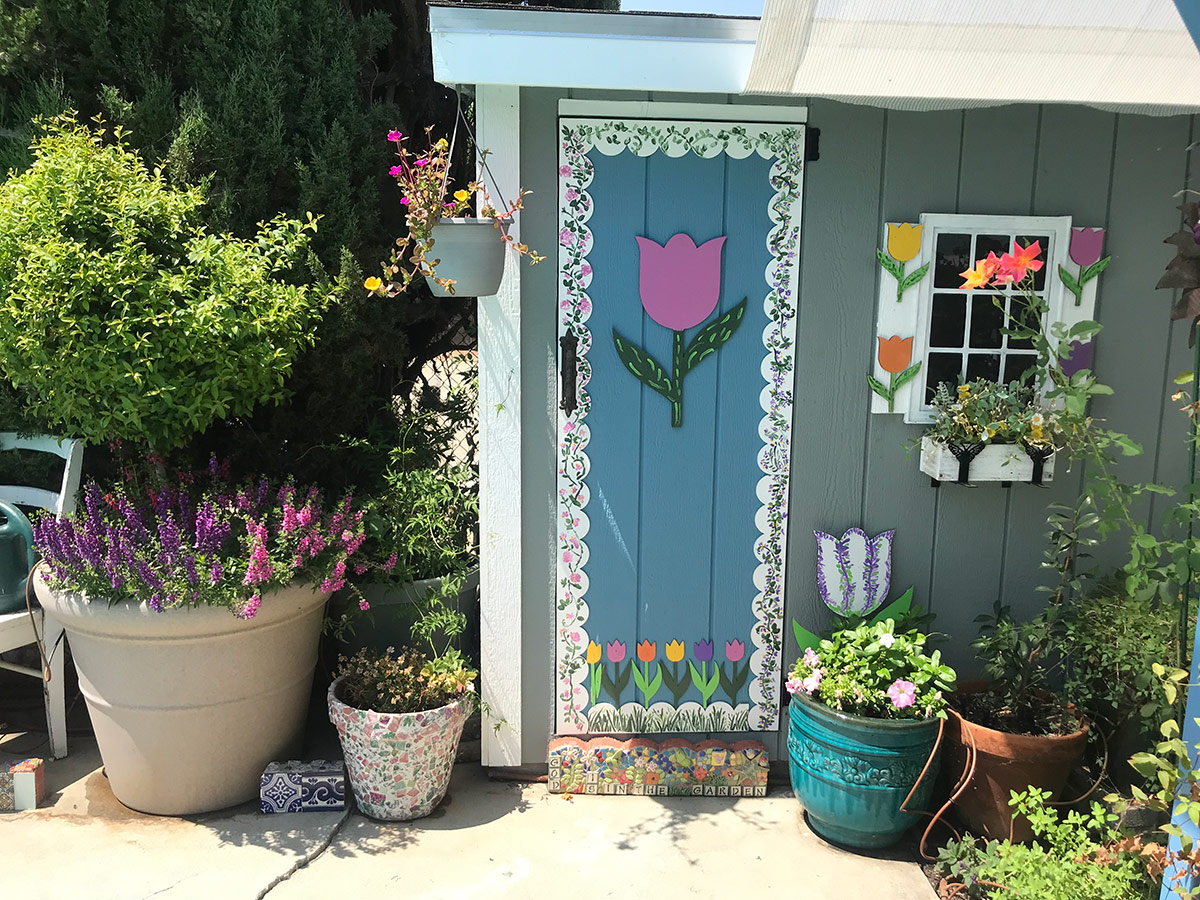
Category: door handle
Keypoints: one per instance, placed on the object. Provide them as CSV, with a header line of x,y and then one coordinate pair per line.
x,y
569,345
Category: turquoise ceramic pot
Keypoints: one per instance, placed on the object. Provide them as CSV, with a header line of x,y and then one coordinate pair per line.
x,y
853,773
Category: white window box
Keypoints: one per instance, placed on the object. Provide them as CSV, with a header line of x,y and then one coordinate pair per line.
x,y
995,462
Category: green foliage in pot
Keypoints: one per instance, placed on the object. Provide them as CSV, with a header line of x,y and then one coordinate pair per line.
x,y
426,510
1074,854
412,679
871,670
121,315
1114,640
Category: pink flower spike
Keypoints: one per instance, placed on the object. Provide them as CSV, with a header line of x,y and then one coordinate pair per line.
x,y
364,605
394,136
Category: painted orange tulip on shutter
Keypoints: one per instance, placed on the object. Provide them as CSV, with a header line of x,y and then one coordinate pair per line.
x,y
895,353
647,650
895,356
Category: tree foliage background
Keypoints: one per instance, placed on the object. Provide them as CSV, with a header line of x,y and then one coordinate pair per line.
x,y
278,106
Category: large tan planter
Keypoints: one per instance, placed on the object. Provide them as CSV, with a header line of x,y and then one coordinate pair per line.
x,y
189,705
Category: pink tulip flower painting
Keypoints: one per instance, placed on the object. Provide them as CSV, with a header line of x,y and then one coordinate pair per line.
x,y
680,284
1085,248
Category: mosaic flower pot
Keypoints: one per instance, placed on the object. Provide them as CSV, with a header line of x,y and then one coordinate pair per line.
x,y
399,763
471,251
852,773
189,705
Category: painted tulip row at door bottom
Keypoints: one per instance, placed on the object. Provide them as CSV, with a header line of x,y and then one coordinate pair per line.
x,y
677,675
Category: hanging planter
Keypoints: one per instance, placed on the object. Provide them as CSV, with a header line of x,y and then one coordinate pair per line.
x,y
469,253
457,255
966,463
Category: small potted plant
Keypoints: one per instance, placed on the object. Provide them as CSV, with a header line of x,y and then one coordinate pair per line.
x,y
865,714
985,431
400,717
455,253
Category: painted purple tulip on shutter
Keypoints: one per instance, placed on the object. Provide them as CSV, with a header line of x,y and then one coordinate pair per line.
x,y
1086,245
1078,357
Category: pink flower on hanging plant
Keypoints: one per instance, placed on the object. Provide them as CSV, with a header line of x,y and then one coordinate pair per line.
x,y
680,283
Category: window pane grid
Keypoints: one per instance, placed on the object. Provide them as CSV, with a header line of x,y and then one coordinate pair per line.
x,y
1002,360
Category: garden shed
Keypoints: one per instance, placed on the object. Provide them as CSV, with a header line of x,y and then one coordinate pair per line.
x,y
743,219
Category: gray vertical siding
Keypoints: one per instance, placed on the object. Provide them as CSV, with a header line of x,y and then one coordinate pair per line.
x,y
962,549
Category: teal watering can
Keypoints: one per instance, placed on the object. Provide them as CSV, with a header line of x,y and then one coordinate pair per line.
x,y
17,557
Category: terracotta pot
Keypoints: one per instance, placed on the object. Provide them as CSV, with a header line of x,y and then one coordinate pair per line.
x,y
1005,763
399,763
189,705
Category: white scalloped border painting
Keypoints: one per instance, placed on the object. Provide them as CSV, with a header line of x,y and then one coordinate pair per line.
x,y
785,144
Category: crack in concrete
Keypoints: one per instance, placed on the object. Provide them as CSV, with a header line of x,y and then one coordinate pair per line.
x,y
310,856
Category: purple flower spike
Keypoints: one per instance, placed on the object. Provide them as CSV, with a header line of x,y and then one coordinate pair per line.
x,y
703,651
854,572
1078,357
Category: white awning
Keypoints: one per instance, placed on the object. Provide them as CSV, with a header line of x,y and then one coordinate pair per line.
x,y
1119,55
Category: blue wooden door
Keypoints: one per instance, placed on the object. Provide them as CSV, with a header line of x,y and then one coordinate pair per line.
x,y
678,254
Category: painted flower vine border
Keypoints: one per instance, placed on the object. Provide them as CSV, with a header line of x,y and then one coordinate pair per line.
x,y
785,143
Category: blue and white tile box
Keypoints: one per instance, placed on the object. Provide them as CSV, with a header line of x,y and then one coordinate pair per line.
x,y
303,786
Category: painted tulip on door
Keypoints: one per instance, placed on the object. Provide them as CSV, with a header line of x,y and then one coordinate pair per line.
x,y
680,285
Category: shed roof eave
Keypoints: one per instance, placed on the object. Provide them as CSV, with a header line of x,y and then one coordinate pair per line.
x,y
535,47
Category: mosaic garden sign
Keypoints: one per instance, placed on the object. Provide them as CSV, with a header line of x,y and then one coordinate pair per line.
x,y
678,256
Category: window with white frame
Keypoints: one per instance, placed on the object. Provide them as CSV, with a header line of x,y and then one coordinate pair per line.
x,y
959,334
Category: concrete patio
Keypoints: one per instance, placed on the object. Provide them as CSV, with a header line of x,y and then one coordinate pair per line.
x,y
490,839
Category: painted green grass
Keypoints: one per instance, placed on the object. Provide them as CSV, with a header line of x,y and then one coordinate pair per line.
x,y
637,719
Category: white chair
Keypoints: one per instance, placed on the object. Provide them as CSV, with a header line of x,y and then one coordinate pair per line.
x,y
19,629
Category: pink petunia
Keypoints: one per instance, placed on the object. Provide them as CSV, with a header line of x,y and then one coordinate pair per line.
x,y
903,693
810,658
794,685
813,681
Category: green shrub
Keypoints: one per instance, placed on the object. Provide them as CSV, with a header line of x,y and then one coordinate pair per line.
x,y
1074,855
121,315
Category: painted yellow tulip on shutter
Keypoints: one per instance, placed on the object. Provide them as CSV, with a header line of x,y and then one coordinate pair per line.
x,y
903,241
593,653
674,651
